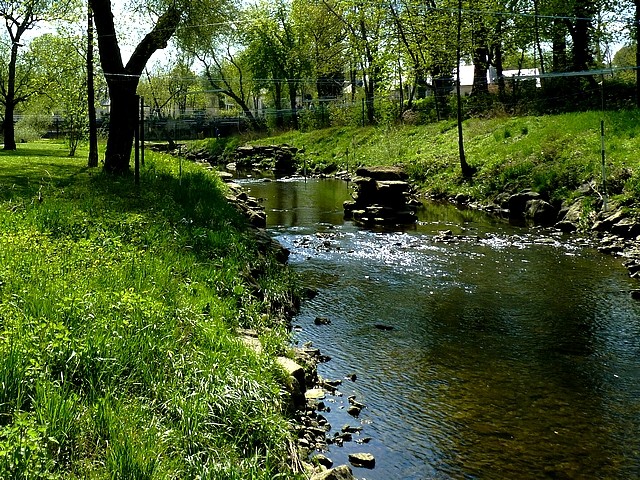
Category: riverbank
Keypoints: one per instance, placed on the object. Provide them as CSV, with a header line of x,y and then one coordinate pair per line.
x,y
121,309
539,170
558,156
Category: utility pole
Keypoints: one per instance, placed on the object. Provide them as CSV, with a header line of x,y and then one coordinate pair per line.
x,y
93,127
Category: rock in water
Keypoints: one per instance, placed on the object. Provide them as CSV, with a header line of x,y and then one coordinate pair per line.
x,y
364,460
343,472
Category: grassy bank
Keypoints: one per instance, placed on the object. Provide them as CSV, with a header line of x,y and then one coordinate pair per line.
x,y
554,155
118,311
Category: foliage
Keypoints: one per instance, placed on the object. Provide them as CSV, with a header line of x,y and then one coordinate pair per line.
x,y
118,312
62,63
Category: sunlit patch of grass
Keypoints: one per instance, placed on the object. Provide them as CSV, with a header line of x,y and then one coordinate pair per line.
x,y
118,310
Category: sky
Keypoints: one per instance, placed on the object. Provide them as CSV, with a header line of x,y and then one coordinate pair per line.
x,y
130,31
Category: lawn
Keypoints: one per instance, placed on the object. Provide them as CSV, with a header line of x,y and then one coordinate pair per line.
x,y
119,311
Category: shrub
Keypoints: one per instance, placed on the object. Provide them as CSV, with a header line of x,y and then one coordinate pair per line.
x,y
32,127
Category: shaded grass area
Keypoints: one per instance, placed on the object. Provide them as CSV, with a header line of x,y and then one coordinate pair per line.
x,y
118,312
554,154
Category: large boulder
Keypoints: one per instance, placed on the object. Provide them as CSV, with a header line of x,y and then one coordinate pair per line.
x,y
279,158
627,228
571,217
608,221
295,381
517,203
540,212
382,196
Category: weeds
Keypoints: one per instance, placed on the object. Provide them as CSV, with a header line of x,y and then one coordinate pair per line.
x,y
118,309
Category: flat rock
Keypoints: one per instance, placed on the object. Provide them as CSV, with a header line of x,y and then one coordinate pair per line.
x,y
314,394
364,460
382,173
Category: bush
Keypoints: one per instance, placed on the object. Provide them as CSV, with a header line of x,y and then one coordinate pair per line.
x,y
32,127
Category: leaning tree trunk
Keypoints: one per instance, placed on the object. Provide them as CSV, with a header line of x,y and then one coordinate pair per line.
x,y
293,101
92,160
278,105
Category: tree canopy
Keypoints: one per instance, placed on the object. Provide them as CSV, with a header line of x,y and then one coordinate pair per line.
x,y
289,56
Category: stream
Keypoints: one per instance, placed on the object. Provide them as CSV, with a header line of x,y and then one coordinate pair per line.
x,y
508,352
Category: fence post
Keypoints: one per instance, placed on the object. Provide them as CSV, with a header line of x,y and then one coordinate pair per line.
x,y
136,139
142,130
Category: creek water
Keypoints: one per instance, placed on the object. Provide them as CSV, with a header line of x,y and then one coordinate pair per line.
x,y
513,353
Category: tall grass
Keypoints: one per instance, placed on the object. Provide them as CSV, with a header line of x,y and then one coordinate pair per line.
x,y
118,312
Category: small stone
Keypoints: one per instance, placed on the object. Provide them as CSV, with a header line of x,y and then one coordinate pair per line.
x,y
322,321
363,440
354,411
364,460
324,460
351,429
381,326
352,377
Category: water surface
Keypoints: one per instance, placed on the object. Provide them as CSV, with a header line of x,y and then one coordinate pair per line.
x,y
514,353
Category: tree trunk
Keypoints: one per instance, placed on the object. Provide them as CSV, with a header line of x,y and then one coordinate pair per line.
x,y
293,100
122,124
538,45
278,104
480,67
467,171
637,19
122,80
582,55
480,61
559,47
8,127
497,61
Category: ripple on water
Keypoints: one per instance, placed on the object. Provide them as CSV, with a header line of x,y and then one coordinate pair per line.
x,y
512,355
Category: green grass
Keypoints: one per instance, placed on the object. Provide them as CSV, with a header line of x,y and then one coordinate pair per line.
x,y
553,154
118,312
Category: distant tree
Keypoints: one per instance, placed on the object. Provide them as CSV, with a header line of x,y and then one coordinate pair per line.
x,y
366,24
219,48
636,4
625,57
62,77
19,17
277,49
324,47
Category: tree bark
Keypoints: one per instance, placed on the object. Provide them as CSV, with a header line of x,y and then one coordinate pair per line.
x,y
122,80
467,171
637,34
278,104
480,61
480,67
8,126
580,31
293,100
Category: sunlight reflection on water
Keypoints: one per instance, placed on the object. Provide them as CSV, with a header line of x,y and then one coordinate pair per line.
x,y
513,354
